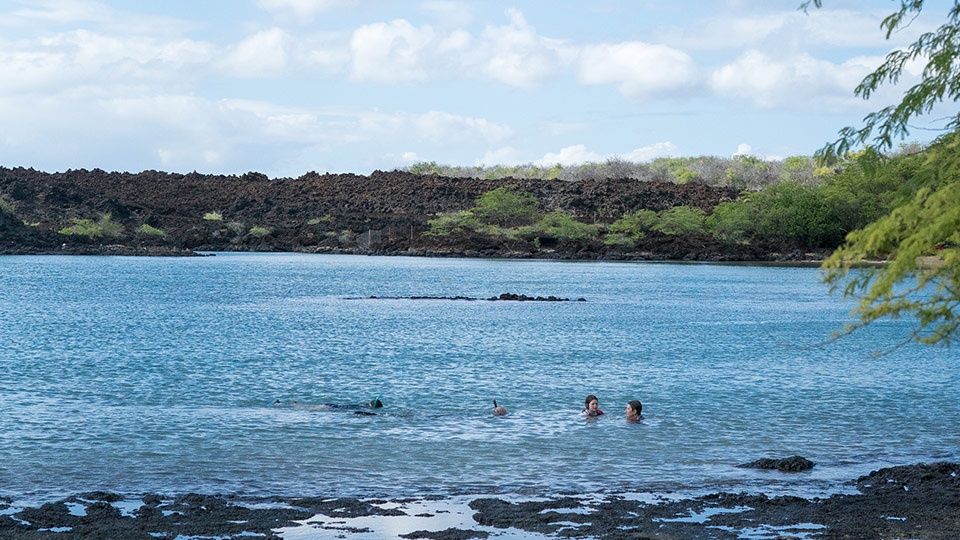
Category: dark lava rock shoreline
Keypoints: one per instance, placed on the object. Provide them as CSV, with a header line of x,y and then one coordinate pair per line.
x,y
919,502
384,213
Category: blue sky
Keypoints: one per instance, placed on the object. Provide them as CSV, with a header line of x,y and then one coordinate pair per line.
x,y
285,87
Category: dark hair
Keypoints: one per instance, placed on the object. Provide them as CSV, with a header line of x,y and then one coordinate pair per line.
x,y
376,403
586,402
636,405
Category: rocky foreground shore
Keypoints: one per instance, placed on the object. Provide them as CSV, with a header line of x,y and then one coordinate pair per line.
x,y
910,502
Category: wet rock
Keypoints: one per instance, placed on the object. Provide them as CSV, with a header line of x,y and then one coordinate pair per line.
x,y
919,502
447,534
345,507
524,298
790,464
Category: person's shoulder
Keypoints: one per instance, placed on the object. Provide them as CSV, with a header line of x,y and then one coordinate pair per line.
x,y
600,413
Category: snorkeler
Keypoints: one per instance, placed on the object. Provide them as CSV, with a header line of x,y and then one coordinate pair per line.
x,y
591,407
498,410
634,409
374,403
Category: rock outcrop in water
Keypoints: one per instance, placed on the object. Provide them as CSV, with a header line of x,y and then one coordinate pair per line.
x,y
508,297
790,464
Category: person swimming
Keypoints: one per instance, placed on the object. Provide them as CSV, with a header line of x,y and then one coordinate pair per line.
x,y
591,407
374,403
498,410
634,410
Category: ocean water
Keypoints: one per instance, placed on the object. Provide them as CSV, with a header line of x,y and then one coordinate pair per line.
x,y
140,375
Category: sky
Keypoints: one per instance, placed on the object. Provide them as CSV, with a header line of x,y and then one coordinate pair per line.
x,y
285,87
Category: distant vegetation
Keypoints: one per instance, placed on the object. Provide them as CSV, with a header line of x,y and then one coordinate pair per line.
x,y
742,172
150,231
787,200
104,228
258,231
7,206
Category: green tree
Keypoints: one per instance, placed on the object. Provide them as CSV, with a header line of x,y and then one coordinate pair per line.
x,y
563,226
634,226
732,221
506,207
681,221
795,212
919,240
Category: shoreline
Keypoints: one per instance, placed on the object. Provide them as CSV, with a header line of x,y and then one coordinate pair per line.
x,y
127,251
920,501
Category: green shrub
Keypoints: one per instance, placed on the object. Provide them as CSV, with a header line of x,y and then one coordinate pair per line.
x,y
259,232
794,211
317,221
681,221
7,206
452,222
150,231
213,216
506,207
620,240
104,228
732,221
634,226
425,168
563,226
685,174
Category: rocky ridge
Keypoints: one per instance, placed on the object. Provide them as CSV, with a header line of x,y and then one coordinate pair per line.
x,y
382,213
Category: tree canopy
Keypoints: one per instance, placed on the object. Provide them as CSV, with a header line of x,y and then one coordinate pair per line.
x,y
918,242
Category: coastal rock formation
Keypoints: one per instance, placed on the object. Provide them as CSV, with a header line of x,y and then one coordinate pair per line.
x,y
382,213
920,501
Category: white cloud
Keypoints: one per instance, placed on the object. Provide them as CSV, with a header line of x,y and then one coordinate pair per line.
x,y
743,149
786,30
570,155
57,12
263,54
390,52
506,155
652,152
83,57
578,154
446,128
640,70
517,56
800,80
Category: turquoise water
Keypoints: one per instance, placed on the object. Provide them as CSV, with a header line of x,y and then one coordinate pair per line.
x,y
158,375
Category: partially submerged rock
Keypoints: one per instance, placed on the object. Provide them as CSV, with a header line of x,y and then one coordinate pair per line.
x,y
790,464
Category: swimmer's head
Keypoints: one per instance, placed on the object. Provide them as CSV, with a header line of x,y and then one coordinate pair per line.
x,y
376,403
498,410
634,408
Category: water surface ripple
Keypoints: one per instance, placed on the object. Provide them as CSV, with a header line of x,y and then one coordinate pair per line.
x,y
153,374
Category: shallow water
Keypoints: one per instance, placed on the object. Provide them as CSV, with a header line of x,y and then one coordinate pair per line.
x,y
156,374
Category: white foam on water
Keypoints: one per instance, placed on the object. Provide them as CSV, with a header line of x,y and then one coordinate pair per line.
x,y
421,515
